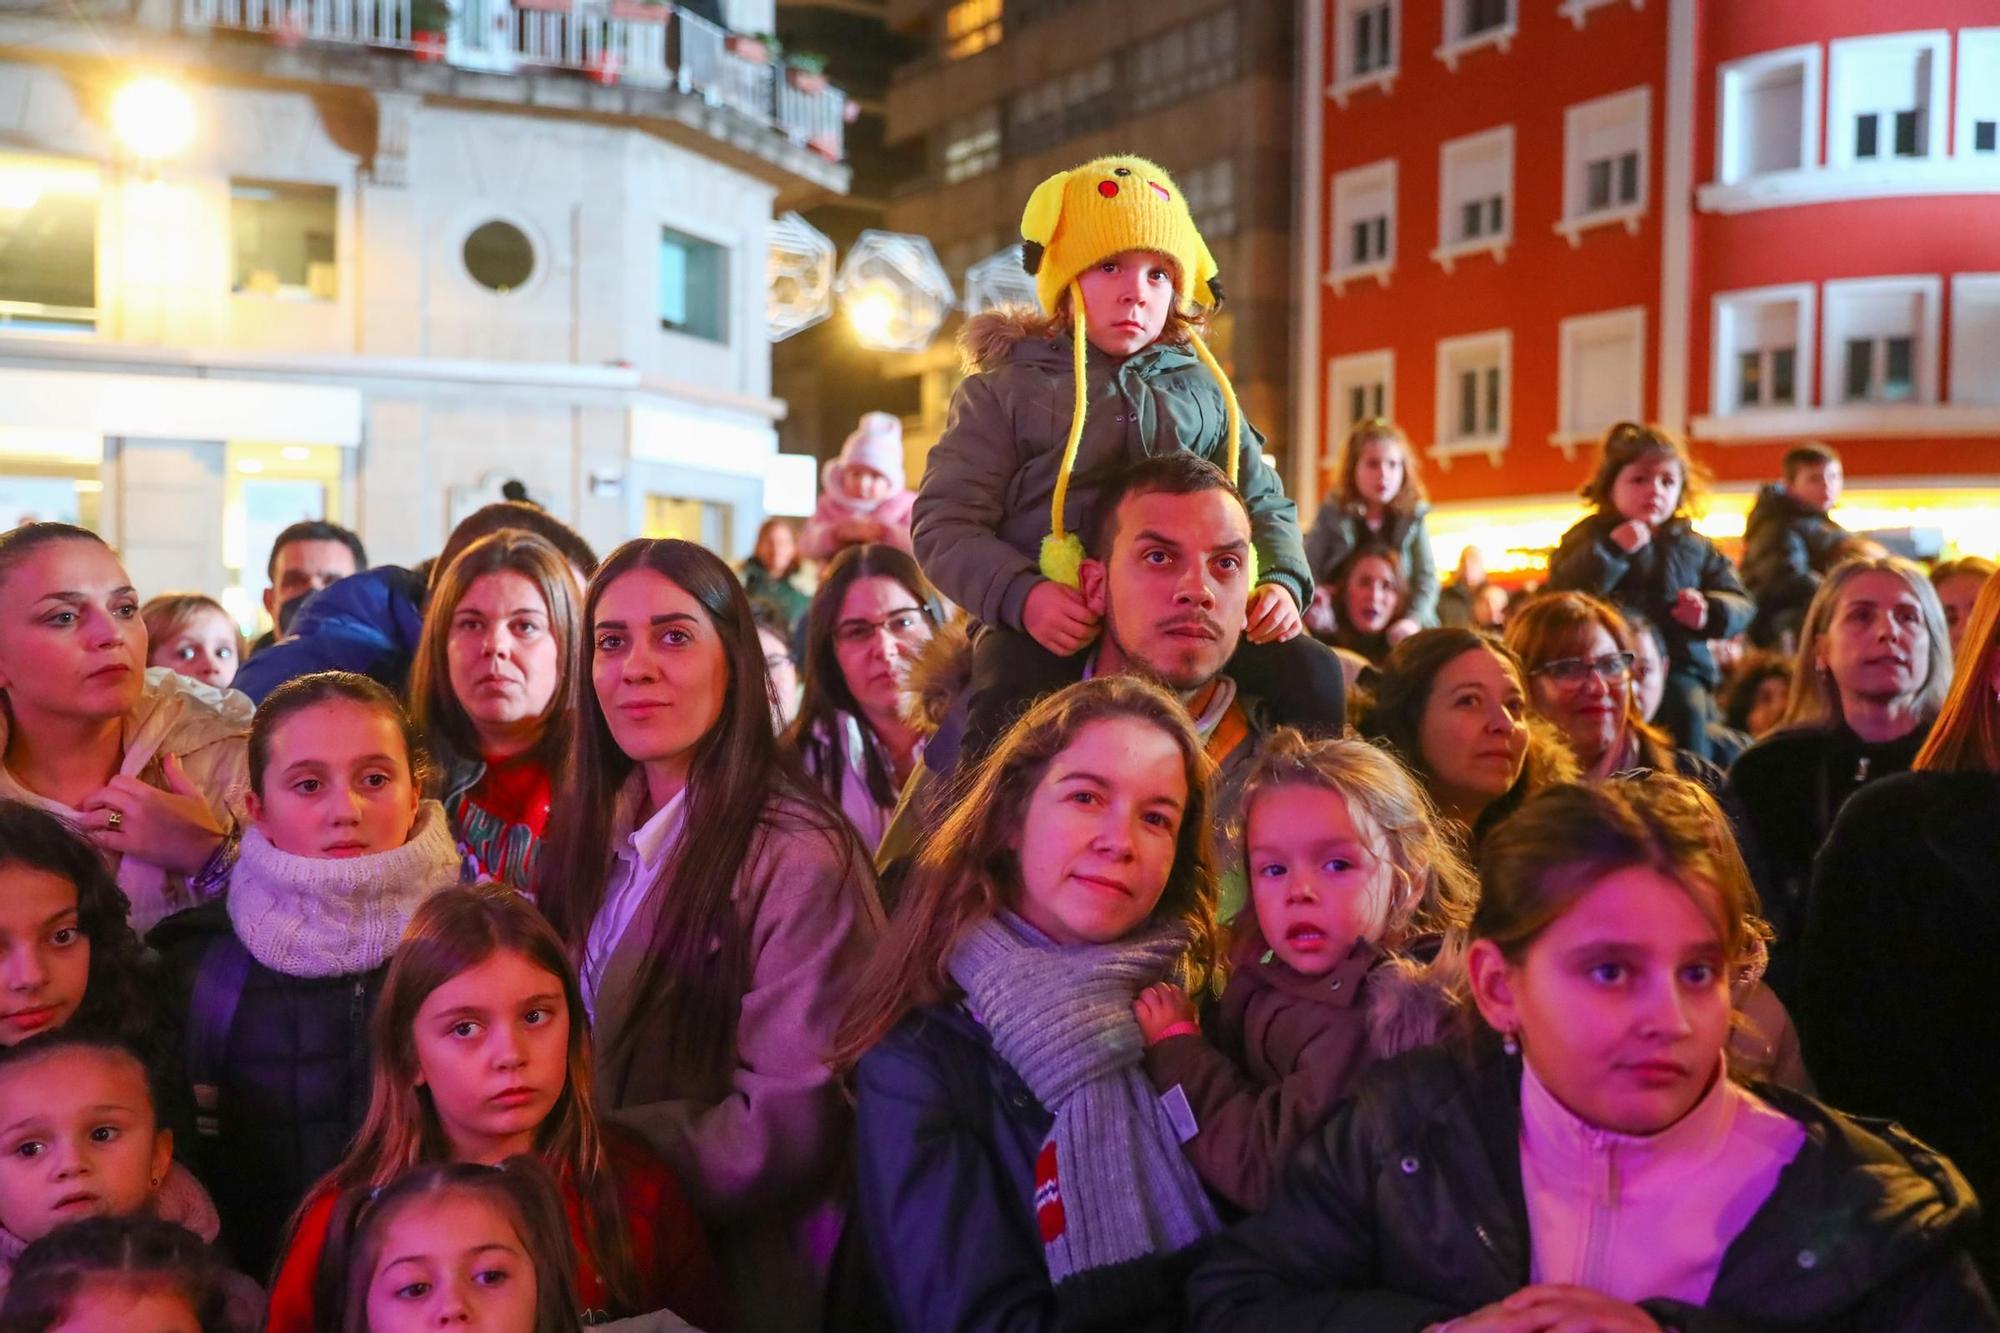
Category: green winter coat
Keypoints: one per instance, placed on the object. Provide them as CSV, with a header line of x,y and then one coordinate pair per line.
x,y
983,508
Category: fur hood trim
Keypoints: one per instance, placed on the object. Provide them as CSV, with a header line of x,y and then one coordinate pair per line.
x,y
989,338
1411,1002
940,674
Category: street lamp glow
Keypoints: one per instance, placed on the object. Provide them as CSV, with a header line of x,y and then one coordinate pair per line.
x,y
153,118
873,312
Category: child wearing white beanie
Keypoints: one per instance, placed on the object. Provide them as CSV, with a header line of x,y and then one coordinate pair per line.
x,y
862,497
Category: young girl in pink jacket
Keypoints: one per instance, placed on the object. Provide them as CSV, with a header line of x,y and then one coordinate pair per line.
x,y
862,497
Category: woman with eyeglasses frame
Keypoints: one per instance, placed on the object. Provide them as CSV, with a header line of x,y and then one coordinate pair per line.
x,y
1578,654
873,613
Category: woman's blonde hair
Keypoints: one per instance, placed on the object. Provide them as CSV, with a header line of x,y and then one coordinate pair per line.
x,y
969,869
1966,736
172,612
1629,442
1430,888
1814,699
1379,430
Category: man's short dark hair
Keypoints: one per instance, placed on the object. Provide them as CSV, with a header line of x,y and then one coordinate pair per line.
x,y
315,530
1176,473
1808,455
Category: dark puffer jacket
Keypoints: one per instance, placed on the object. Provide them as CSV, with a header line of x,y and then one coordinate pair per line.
x,y
946,1139
1896,988
1408,1210
293,1082
1341,527
369,622
1787,546
1649,578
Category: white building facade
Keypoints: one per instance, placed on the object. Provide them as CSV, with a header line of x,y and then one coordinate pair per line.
x,y
377,292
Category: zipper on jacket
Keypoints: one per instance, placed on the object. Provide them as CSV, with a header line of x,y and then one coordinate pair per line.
x,y
1603,1222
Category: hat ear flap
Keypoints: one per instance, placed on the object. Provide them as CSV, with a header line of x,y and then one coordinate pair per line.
x,y
1043,213
1207,284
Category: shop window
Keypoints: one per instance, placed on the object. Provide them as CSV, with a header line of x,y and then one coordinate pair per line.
x,y
48,245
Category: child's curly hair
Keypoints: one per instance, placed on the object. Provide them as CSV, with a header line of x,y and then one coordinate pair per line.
x,y
1629,442
1430,886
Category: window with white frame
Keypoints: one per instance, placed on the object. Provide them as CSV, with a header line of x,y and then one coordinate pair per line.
x,y
1979,94
1886,98
1975,338
1474,23
1364,219
1768,111
1605,157
1602,373
1358,387
1880,339
1473,392
1476,191
1365,41
1762,356
971,145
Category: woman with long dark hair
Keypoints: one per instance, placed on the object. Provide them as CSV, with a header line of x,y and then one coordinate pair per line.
x,y
718,905
872,614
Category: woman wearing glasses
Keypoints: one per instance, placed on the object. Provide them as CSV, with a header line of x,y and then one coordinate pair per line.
x,y
1579,656
872,614
1578,653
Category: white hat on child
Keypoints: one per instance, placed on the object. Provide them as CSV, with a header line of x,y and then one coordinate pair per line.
x,y
877,444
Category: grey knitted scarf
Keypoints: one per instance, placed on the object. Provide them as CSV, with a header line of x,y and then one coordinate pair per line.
x,y
1113,1189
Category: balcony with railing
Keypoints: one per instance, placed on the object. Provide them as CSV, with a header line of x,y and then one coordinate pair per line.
x,y
639,44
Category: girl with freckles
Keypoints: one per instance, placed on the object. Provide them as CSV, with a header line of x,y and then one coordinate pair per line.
x,y
1585,1161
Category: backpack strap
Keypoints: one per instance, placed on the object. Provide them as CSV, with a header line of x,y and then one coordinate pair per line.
x,y
218,990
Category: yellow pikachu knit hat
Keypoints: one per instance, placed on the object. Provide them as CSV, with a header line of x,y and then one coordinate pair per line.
x,y
1081,217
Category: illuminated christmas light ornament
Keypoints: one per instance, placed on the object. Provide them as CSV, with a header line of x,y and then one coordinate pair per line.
x,y
999,280
800,277
893,291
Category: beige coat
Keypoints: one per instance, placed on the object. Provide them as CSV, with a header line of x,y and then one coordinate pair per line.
x,y
761,1150
210,730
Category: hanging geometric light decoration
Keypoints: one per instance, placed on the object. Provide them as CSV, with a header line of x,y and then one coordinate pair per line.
x,y
800,277
893,291
999,280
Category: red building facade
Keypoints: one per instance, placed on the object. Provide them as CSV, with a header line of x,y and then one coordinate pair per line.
x,y
1753,223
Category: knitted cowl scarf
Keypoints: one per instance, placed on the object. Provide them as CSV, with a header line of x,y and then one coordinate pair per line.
x,y
1114,1195
306,916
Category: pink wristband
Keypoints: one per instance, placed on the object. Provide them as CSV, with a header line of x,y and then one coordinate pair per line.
x,y
1184,1028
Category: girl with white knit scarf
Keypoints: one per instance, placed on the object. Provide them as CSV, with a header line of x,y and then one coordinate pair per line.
x,y
283,973
1015,1167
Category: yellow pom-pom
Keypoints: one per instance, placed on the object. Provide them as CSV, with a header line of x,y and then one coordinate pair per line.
x,y
1062,559
1253,569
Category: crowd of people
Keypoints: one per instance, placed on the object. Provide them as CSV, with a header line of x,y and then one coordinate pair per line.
x,y
1065,896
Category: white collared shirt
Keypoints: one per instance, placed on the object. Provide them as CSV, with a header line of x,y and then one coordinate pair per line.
x,y
639,859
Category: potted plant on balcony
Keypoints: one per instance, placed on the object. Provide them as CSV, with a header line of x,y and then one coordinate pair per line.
x,y
806,71
642,11
430,22
755,48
